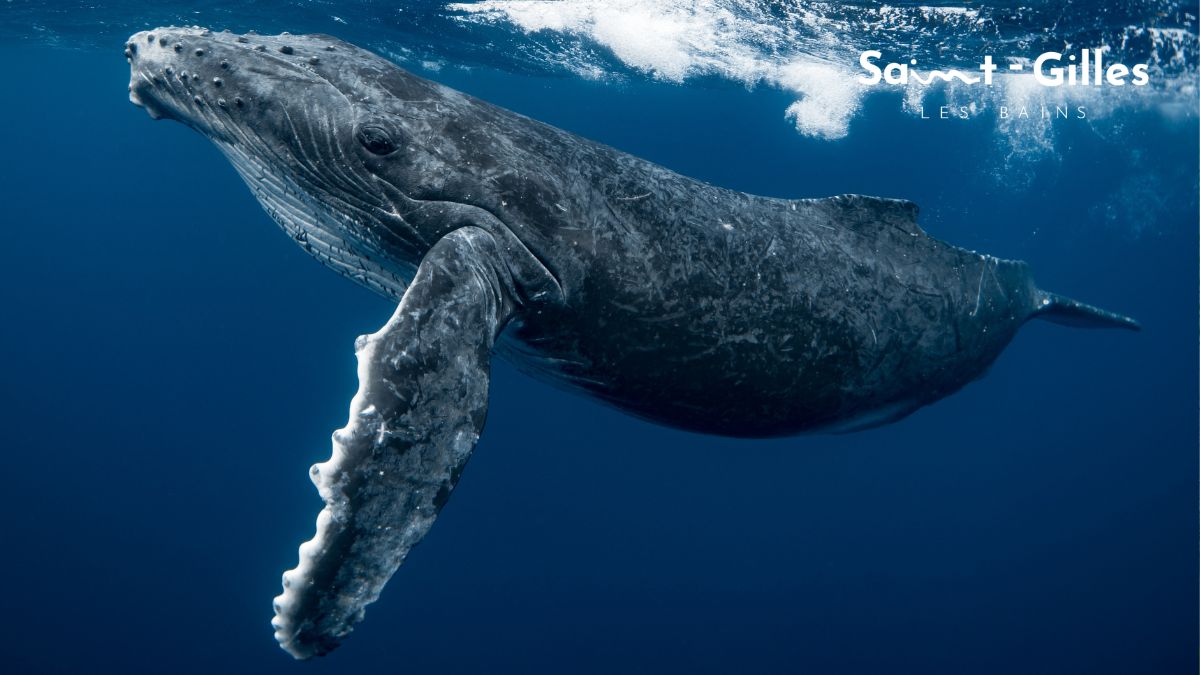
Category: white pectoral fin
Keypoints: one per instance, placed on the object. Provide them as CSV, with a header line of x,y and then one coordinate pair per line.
x,y
420,406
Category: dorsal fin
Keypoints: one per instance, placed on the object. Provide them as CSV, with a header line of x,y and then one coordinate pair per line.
x,y
875,215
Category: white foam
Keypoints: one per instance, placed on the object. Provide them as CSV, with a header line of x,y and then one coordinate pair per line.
x,y
831,97
965,11
677,39
811,49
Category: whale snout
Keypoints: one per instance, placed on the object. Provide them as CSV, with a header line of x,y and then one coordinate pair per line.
x,y
170,76
143,77
209,79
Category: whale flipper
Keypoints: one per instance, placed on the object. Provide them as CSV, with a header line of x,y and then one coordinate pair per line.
x,y
420,406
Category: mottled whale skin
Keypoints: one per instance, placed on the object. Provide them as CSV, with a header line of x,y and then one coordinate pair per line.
x,y
684,303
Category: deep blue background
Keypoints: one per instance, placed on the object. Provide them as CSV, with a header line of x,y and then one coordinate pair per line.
x,y
173,365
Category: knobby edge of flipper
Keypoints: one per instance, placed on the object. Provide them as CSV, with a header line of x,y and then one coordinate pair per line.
x,y
414,421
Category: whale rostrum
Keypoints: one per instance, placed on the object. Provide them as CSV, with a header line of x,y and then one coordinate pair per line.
x,y
673,300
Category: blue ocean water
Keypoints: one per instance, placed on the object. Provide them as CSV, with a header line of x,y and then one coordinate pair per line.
x,y
175,364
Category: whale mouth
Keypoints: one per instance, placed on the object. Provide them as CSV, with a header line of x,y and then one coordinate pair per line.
x,y
136,95
142,85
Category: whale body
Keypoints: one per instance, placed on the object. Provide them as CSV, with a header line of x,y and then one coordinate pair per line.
x,y
677,301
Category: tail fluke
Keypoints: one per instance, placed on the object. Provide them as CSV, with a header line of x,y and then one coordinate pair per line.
x,y
1059,309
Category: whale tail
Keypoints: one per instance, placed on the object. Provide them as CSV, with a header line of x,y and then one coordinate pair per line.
x,y
1068,312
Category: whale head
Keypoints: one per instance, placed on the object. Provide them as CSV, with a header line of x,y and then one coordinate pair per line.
x,y
321,131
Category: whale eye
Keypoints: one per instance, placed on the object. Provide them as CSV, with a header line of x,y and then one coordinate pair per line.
x,y
376,139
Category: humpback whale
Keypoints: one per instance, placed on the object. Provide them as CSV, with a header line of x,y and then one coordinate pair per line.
x,y
679,302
